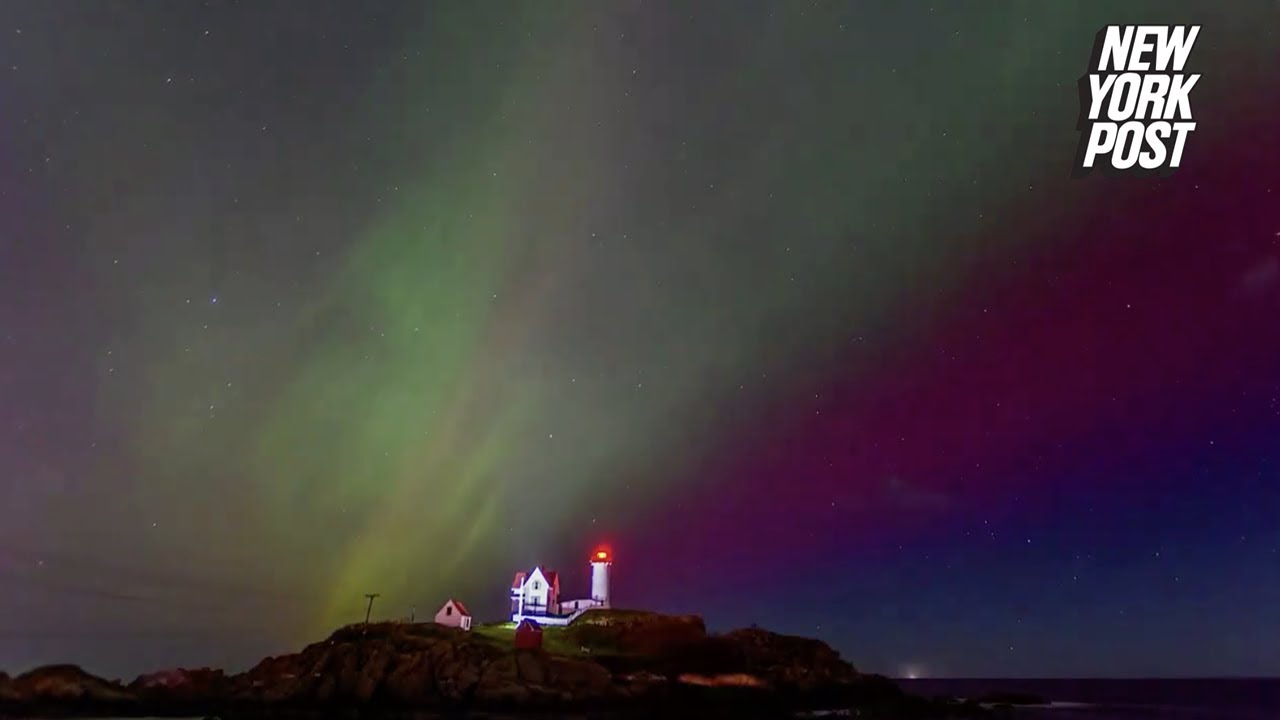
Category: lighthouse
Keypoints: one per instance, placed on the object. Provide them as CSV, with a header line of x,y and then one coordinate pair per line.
x,y
536,593
600,577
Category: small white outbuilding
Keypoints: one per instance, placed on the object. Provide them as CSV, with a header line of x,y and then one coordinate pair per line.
x,y
454,614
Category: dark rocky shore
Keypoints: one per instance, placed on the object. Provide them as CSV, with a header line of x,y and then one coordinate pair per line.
x,y
614,662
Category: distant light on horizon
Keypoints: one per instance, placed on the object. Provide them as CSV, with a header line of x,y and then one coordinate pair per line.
x,y
912,672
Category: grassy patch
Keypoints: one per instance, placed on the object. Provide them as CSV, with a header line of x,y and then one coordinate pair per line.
x,y
555,640
499,633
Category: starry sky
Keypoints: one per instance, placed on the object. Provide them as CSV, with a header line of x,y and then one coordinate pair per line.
x,y
794,306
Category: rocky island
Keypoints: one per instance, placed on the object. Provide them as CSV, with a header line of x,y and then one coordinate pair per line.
x,y
611,661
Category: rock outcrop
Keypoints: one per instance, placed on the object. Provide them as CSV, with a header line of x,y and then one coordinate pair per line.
x,y
64,686
7,692
607,659
637,633
420,665
793,662
180,687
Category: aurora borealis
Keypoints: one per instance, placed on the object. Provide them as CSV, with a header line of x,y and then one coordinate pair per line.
x,y
793,305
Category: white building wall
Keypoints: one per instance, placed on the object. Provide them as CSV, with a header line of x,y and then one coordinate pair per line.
x,y
554,620
568,606
543,620
537,593
600,582
451,616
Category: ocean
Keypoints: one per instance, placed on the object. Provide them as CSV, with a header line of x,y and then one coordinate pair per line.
x,y
1154,699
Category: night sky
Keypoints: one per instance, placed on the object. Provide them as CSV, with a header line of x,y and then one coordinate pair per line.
x,y
794,306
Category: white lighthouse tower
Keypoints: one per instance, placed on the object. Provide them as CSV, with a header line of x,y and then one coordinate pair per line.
x,y
600,562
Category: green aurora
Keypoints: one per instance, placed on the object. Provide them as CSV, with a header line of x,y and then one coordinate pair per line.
x,y
545,316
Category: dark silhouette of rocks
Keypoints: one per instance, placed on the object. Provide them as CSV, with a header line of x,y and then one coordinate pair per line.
x,y
63,686
605,660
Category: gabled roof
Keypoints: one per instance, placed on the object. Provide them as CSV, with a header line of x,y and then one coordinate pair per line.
x,y
551,577
529,624
461,608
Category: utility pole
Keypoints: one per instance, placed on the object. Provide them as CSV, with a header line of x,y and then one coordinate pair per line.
x,y
369,609
413,611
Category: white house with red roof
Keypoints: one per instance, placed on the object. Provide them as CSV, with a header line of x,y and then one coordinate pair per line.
x,y
536,594
454,614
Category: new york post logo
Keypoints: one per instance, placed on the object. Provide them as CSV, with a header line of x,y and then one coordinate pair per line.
x,y
1135,100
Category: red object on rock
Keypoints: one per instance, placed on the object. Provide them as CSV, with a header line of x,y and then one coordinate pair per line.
x,y
528,635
